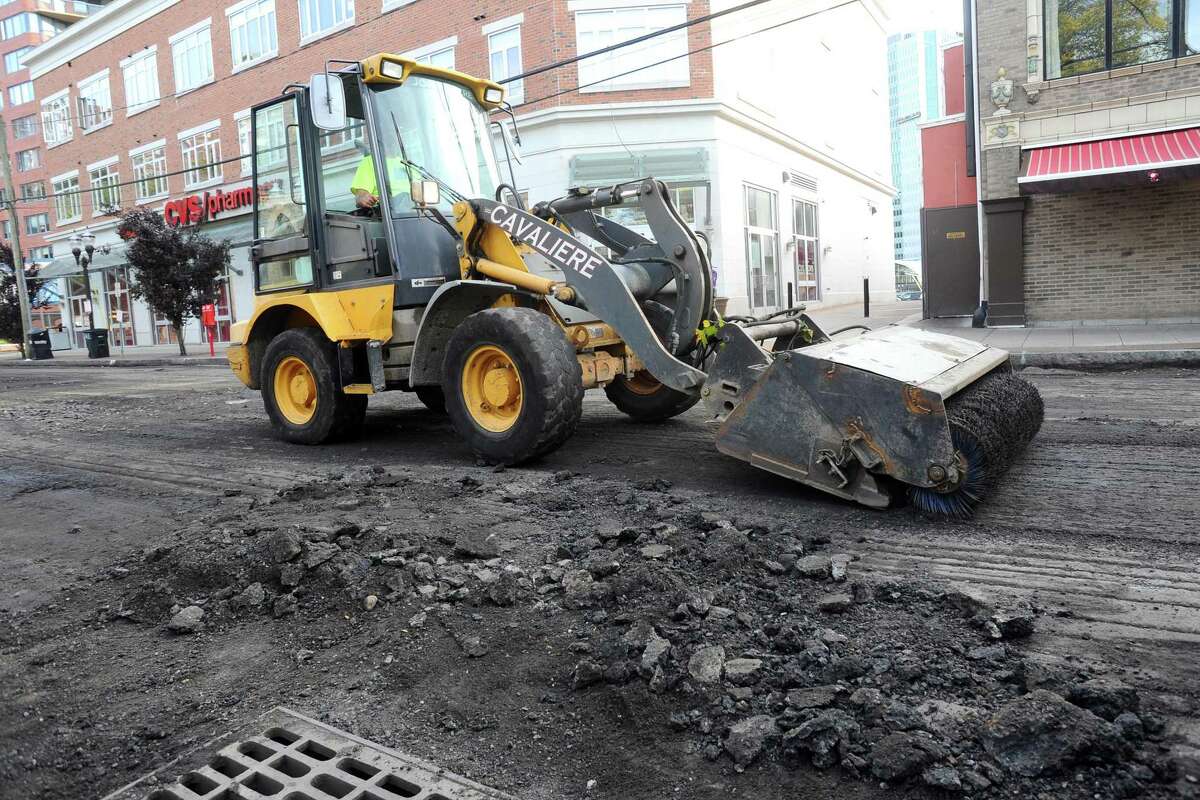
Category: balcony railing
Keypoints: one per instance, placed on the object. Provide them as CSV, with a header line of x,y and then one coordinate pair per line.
x,y
66,10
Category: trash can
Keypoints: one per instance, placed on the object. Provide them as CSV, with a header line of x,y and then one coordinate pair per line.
x,y
97,342
39,344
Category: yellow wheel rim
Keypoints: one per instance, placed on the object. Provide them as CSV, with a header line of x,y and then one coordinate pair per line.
x,y
491,388
642,383
295,391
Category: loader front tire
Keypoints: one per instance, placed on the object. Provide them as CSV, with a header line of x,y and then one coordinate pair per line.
x,y
513,386
432,397
300,391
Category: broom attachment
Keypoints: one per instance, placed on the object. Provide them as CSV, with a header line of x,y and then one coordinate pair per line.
x,y
943,417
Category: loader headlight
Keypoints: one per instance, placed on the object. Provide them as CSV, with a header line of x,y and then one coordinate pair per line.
x,y
493,94
390,69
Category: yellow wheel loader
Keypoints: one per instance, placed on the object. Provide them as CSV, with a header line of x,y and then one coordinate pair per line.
x,y
389,253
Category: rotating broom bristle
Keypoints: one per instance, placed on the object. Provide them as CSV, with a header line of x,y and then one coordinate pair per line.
x,y
991,422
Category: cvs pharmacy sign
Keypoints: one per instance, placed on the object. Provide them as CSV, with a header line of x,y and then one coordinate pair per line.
x,y
197,208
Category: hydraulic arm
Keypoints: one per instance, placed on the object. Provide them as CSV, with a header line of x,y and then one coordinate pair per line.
x,y
940,415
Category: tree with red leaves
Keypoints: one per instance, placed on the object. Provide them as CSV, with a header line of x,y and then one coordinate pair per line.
x,y
175,270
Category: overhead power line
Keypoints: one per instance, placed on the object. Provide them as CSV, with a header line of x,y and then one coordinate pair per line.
x,y
693,51
636,40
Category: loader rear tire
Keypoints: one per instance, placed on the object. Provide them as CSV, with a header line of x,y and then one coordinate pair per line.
x,y
647,400
300,391
513,386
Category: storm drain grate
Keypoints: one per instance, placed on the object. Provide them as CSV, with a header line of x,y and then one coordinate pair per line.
x,y
287,756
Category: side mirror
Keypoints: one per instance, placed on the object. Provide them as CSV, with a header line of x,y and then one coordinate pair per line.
x,y
327,100
426,193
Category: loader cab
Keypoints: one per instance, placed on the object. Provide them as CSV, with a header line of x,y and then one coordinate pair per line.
x,y
393,125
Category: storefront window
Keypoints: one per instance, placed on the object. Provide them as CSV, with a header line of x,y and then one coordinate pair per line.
x,y
120,322
1085,36
1191,28
632,216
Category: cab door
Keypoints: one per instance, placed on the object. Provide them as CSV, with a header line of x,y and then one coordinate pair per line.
x,y
352,240
283,252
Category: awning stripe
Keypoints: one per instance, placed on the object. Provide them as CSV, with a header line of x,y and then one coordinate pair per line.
x,y
1118,154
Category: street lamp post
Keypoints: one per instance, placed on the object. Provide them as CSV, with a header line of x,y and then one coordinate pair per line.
x,y
82,247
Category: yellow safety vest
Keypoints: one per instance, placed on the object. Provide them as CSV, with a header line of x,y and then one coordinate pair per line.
x,y
364,176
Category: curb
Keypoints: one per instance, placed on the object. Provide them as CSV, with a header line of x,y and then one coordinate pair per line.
x,y
1104,360
177,361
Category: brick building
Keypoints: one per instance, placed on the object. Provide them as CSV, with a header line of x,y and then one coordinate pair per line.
x,y
25,24
1090,159
789,198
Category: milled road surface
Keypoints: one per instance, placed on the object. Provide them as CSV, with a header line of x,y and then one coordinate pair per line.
x,y
1097,522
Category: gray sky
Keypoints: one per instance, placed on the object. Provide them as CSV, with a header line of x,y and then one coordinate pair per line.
x,y
912,15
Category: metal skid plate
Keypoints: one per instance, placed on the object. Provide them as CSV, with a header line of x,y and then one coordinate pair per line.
x,y
912,355
284,754
805,416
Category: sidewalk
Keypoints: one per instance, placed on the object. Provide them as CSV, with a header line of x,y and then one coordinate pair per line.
x,y
1087,346
139,356
1082,347
1089,337
897,312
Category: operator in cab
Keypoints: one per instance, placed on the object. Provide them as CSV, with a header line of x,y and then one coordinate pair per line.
x,y
365,187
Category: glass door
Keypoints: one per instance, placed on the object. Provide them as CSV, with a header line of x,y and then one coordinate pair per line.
x,y
164,333
116,288
805,251
224,313
762,243
77,300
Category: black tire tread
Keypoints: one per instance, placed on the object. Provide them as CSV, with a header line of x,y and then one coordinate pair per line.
x,y
432,397
339,415
658,407
556,372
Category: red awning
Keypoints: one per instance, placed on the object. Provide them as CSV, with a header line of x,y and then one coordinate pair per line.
x,y
1139,159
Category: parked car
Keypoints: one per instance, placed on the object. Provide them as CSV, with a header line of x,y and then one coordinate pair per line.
x,y
911,294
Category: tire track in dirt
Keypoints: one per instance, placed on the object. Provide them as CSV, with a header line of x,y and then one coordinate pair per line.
x,y
159,472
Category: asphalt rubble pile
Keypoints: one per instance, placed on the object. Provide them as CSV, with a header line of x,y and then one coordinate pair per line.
x,y
765,641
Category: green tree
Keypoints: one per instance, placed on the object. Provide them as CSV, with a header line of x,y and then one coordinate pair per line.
x,y
175,270
10,306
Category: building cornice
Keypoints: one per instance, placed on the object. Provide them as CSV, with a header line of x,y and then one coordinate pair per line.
x,y
746,121
657,109
940,121
91,32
